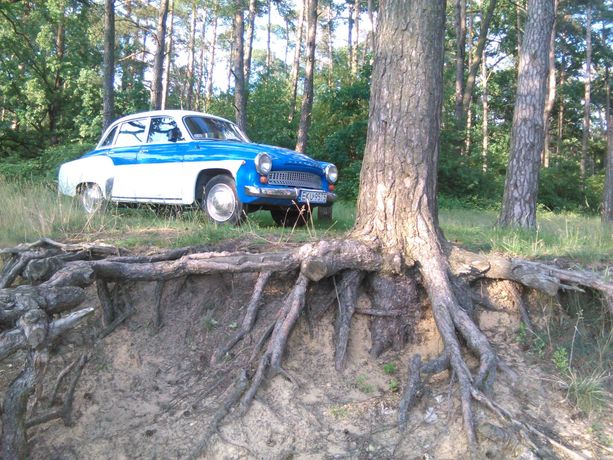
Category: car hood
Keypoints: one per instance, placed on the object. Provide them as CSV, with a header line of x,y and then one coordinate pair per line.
x,y
248,151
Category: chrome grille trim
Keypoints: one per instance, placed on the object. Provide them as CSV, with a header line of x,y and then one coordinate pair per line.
x,y
294,179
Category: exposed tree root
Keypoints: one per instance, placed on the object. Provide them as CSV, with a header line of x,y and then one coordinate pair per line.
x,y
63,270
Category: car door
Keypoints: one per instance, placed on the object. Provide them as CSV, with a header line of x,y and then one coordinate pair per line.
x,y
128,142
160,160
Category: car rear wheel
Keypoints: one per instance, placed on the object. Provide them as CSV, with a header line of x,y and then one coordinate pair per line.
x,y
91,198
291,217
220,201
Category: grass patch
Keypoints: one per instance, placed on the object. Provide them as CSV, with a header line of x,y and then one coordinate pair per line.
x,y
29,210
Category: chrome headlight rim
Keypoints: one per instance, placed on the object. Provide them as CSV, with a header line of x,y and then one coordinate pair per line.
x,y
331,173
263,163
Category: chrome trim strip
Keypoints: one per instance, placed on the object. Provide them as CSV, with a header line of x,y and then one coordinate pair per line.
x,y
283,193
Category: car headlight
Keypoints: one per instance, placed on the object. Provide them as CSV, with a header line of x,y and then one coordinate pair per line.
x,y
263,163
331,173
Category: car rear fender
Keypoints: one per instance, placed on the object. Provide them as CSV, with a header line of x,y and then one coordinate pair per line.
x,y
90,170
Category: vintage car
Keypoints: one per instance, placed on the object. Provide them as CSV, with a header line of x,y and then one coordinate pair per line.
x,y
184,158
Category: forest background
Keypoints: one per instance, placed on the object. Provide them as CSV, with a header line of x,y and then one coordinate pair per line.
x,y
52,92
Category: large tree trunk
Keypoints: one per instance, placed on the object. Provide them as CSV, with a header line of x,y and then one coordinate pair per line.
x,y
158,59
397,207
168,60
551,91
527,135
191,60
240,97
586,164
108,100
460,57
296,61
202,63
307,101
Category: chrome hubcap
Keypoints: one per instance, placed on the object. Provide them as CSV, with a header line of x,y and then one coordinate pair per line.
x,y
92,199
220,202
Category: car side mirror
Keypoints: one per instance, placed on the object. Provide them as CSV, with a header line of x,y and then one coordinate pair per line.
x,y
174,134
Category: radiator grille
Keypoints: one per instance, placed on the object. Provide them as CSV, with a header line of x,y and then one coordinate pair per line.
x,y
294,179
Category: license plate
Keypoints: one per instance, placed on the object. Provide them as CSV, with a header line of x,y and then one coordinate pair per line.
x,y
309,196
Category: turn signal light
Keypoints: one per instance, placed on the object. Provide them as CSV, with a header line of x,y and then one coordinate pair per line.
x,y
263,180
331,187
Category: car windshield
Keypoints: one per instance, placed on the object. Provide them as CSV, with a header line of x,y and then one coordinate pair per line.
x,y
212,128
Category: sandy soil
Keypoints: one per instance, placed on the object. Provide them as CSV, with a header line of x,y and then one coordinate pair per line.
x,y
151,394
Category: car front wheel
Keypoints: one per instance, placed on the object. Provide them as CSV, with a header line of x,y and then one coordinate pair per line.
x,y
92,198
220,201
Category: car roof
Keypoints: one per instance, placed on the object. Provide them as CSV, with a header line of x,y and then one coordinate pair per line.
x,y
172,113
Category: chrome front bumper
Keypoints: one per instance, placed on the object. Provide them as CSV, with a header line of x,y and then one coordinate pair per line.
x,y
281,193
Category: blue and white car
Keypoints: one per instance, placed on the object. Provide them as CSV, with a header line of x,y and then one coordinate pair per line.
x,y
183,158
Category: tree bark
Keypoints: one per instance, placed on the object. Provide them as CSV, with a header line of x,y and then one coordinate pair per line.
x,y
307,101
158,59
240,97
460,57
551,91
168,60
296,61
527,135
586,165
108,104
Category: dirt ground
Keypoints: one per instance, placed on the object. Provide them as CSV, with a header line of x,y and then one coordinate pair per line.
x,y
151,394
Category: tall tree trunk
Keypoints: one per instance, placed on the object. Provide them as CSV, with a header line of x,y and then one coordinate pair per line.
x,y
485,116
211,69
607,196
240,97
330,47
307,101
191,59
158,59
469,112
551,91
519,10
356,38
561,107
168,60
108,104
268,34
371,27
55,105
527,136
202,66
249,42
460,56
296,62
586,163
350,7
476,62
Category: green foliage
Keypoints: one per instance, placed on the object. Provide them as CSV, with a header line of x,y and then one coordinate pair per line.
x,y
393,385
389,368
560,359
362,384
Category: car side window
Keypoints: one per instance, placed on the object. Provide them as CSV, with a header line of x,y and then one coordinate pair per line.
x,y
131,133
162,130
108,140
